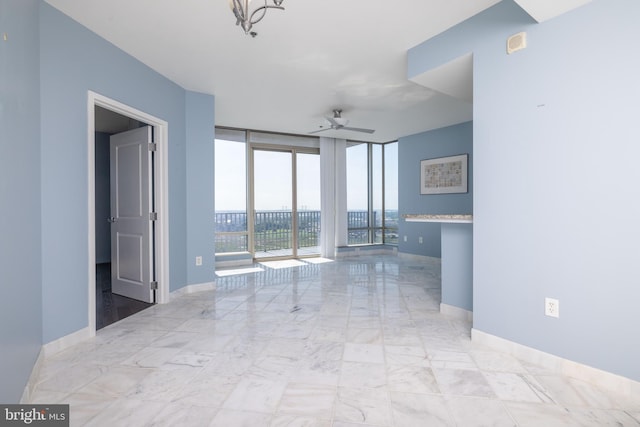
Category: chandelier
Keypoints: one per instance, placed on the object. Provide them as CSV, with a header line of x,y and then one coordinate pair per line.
x,y
246,18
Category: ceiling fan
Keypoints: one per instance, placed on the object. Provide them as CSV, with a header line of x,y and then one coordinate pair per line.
x,y
338,122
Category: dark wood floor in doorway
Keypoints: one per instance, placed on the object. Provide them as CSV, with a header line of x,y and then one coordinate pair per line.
x,y
111,307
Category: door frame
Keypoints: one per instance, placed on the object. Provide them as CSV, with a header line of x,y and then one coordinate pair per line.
x,y
161,186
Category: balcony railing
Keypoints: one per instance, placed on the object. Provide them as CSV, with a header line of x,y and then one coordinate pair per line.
x,y
273,230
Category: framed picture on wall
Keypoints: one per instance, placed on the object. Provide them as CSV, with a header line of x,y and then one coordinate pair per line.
x,y
444,175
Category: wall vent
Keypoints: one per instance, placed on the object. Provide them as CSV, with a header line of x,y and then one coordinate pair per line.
x,y
516,42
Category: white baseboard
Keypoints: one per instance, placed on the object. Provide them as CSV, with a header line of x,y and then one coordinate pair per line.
x,y
603,379
84,334
49,349
190,289
33,378
456,312
421,258
65,342
234,263
365,251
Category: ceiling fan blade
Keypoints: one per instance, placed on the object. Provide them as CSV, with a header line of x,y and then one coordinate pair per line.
x,y
359,129
319,130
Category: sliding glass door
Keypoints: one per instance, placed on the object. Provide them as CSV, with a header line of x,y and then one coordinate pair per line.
x,y
273,204
286,202
308,203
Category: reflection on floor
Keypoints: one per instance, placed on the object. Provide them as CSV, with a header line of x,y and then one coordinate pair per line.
x,y
355,342
283,263
111,307
236,271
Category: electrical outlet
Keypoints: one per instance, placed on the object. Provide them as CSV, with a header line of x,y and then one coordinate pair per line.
x,y
198,260
551,307
405,238
420,239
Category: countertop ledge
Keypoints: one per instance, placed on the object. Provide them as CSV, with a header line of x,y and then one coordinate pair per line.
x,y
452,218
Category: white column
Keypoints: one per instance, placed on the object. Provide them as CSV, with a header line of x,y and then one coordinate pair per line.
x,y
341,192
333,191
327,197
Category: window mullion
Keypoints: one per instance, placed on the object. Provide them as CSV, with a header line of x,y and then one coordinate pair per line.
x,y
371,221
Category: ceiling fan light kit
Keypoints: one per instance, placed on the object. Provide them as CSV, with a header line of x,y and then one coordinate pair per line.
x,y
246,18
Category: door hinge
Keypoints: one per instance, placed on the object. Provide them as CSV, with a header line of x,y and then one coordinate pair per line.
x,y
153,216
154,285
153,146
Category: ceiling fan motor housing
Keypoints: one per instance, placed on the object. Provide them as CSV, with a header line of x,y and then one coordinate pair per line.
x,y
338,122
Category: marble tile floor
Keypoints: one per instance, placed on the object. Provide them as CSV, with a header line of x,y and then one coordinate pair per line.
x,y
352,343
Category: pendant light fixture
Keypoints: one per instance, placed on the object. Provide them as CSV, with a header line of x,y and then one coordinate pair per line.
x,y
245,17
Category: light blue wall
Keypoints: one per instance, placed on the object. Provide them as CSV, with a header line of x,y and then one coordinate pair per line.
x,y
200,182
48,64
457,265
73,61
20,258
443,142
556,174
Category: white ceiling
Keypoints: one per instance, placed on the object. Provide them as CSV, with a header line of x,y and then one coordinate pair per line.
x,y
315,56
543,10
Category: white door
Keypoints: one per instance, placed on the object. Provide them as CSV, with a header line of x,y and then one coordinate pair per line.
x,y
131,205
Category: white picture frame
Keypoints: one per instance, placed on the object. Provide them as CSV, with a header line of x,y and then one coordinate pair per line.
x,y
444,175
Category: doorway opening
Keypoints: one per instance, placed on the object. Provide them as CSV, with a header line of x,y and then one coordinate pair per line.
x,y
111,305
127,153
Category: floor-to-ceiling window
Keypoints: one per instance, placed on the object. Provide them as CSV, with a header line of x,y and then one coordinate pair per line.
x,y
231,192
377,195
267,201
267,194
358,193
372,195
390,152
